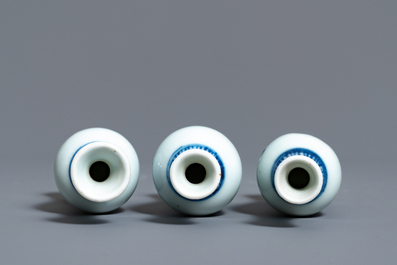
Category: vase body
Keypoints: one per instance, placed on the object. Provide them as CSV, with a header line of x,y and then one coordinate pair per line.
x,y
298,174
96,170
197,170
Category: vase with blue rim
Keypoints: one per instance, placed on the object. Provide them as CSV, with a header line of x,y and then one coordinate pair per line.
x,y
298,174
197,170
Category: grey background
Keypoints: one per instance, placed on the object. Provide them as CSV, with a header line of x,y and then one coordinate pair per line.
x,y
253,70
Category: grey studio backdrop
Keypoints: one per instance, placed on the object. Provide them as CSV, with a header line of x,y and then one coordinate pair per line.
x,y
253,70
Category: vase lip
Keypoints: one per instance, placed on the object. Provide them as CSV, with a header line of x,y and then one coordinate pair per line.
x,y
114,185
298,196
187,189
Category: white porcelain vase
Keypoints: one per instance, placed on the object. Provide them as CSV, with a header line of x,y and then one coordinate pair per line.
x,y
96,170
298,174
197,170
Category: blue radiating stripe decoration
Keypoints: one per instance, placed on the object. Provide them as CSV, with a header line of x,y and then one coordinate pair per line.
x,y
304,152
184,148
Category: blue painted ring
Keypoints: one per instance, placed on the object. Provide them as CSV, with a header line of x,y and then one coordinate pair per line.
x,y
304,152
184,148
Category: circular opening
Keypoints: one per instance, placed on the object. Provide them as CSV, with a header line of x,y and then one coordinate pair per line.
x,y
195,173
99,171
97,180
298,178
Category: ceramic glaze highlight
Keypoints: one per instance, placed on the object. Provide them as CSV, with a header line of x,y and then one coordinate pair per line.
x,y
197,170
200,155
85,182
96,170
298,174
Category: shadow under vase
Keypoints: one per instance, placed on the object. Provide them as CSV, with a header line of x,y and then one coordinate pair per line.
x,y
265,215
161,213
68,214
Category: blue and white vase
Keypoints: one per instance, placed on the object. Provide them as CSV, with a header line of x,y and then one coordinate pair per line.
x,y
298,174
96,170
197,170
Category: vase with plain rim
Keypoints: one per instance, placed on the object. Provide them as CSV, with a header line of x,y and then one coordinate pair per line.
x,y
96,170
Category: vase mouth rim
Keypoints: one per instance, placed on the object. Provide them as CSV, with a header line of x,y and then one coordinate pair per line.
x,y
113,185
209,182
309,176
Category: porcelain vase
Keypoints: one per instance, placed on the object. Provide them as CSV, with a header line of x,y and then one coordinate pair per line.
x,y
298,174
96,170
197,170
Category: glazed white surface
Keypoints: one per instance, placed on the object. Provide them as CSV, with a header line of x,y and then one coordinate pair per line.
x,y
195,191
289,193
78,153
292,141
114,185
225,150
